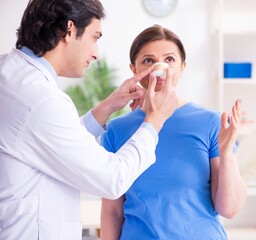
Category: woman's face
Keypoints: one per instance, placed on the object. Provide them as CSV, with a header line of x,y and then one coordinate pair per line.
x,y
159,51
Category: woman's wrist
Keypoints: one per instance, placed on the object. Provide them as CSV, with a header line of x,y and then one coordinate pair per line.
x,y
155,120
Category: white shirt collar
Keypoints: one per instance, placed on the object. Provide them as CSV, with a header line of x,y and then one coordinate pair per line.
x,y
40,60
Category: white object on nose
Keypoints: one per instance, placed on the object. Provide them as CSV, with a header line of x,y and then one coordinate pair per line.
x,y
160,69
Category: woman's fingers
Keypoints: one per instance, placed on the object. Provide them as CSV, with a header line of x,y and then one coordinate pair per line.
x,y
224,120
151,84
169,78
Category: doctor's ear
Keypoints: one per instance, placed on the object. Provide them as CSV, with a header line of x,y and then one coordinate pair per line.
x,y
71,29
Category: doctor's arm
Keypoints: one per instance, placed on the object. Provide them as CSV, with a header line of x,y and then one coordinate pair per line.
x,y
54,142
228,187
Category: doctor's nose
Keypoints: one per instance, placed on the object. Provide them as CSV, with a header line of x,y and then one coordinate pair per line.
x,y
95,52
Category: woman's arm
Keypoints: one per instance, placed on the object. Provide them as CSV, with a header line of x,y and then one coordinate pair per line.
x,y
112,218
228,187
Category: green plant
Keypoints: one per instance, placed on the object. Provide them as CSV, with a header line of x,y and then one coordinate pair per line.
x,y
96,85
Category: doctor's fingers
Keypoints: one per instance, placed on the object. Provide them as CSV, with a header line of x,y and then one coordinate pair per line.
x,y
141,75
138,101
129,86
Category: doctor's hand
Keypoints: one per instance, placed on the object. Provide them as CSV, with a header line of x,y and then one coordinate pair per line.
x,y
127,91
160,105
229,130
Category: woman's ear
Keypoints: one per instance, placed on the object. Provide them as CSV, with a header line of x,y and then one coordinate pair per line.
x,y
183,66
133,68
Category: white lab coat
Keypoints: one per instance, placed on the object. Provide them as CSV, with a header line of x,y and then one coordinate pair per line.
x,y
47,156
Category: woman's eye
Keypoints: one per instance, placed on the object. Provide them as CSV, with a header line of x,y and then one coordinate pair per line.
x,y
169,59
148,61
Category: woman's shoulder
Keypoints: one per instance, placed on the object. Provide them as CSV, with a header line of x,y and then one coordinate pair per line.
x,y
128,119
199,114
197,108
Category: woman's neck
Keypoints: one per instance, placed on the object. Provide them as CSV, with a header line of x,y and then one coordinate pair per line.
x,y
181,103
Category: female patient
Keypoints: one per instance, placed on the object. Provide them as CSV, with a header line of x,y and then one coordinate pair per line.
x,y
196,176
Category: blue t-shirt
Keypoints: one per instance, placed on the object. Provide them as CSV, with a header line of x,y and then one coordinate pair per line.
x,y
172,200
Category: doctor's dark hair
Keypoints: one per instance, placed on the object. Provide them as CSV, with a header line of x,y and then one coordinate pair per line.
x,y
45,22
155,33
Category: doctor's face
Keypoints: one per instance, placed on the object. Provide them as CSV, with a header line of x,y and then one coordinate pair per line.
x,y
159,51
81,51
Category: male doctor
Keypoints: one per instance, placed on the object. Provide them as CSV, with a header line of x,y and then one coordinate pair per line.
x,y
48,154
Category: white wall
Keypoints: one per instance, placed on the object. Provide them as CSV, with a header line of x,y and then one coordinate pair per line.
x,y
191,21
10,15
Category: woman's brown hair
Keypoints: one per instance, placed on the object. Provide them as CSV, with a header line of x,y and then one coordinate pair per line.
x,y
152,34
